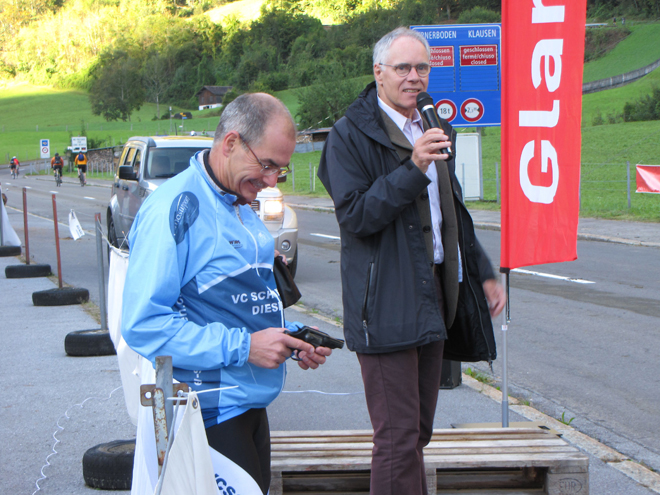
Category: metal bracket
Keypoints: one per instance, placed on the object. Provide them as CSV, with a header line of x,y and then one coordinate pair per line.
x,y
147,393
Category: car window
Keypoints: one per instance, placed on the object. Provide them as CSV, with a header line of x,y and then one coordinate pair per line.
x,y
138,161
128,157
163,163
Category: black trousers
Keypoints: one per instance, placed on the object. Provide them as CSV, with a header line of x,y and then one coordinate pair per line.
x,y
245,440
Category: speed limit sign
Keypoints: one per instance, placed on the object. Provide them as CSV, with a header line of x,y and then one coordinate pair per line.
x,y
45,148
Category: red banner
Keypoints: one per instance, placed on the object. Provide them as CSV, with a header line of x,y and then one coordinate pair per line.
x,y
648,178
542,63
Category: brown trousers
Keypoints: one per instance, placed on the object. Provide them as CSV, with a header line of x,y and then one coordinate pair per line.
x,y
401,389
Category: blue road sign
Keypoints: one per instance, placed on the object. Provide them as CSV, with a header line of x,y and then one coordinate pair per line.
x,y
466,79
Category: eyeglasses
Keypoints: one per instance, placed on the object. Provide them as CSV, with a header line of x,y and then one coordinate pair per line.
x,y
403,70
265,169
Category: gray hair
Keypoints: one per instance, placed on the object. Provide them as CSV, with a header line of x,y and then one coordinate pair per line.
x,y
249,115
382,48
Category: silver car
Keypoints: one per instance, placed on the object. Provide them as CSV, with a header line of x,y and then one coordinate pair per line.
x,y
147,162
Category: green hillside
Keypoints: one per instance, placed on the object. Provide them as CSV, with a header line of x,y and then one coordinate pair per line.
x,y
640,48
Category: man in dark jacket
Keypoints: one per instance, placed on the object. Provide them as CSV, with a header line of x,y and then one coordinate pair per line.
x,y
413,272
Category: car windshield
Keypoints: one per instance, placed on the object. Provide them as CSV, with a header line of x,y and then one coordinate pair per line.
x,y
164,163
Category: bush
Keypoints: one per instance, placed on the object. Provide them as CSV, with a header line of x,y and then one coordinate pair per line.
x,y
597,119
645,108
479,15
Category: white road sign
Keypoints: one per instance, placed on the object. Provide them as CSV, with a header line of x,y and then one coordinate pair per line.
x,y
44,147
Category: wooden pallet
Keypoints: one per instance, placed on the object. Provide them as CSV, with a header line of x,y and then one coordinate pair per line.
x,y
474,461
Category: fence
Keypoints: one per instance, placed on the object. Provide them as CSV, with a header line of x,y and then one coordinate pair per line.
x,y
605,188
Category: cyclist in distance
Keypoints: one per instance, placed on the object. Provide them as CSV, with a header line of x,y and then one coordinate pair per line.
x,y
14,166
56,163
81,163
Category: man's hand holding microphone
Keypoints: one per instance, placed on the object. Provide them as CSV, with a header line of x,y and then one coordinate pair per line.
x,y
434,143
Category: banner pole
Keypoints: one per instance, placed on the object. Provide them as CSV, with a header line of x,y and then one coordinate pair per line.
x,y
505,328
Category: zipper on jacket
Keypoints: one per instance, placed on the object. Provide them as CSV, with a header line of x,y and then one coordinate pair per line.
x,y
364,305
466,277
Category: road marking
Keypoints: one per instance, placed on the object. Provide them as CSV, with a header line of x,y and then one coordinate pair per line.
x,y
87,197
327,236
549,275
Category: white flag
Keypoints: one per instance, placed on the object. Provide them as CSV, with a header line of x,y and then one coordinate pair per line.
x,y
74,226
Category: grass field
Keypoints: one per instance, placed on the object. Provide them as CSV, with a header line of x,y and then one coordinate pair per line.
x,y
37,113
639,49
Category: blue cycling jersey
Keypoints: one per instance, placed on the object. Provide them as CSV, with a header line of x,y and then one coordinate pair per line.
x,y
199,284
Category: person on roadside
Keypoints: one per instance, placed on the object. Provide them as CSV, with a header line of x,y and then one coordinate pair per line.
x,y
200,285
14,166
57,164
416,283
81,163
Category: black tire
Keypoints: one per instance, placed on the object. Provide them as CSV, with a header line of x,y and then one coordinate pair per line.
x,y
109,466
27,271
10,251
293,264
60,297
89,343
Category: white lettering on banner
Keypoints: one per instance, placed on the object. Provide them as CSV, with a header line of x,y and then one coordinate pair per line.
x,y
550,49
539,194
539,118
543,15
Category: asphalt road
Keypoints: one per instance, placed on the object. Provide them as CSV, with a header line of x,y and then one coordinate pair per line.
x,y
587,351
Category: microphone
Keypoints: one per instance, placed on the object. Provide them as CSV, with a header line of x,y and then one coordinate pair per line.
x,y
427,108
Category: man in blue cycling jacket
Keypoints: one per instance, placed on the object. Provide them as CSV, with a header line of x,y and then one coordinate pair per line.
x,y
200,285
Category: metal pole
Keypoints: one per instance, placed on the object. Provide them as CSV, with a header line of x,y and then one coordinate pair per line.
x,y
310,176
463,174
57,243
505,328
25,227
293,176
628,178
497,184
99,257
164,382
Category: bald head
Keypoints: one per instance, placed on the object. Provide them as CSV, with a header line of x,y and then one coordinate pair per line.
x,y
251,114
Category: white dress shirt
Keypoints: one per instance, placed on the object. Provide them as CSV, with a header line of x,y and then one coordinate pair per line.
x,y
413,129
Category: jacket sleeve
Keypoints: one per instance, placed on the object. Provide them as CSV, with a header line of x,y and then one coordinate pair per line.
x,y
151,325
366,200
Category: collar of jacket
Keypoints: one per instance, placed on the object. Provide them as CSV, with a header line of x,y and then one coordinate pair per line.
x,y
365,113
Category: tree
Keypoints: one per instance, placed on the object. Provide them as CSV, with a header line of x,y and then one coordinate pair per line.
x,y
325,103
117,88
155,79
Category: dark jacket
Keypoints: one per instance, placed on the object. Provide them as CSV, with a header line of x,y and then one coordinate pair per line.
x,y
388,287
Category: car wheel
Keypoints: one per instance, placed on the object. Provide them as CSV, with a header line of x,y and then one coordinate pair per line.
x,y
109,466
293,264
60,297
112,234
27,271
89,343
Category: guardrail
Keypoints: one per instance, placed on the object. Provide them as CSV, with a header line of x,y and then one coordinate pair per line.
x,y
620,80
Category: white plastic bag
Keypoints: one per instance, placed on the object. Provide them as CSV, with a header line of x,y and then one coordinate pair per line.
x,y
74,226
9,237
